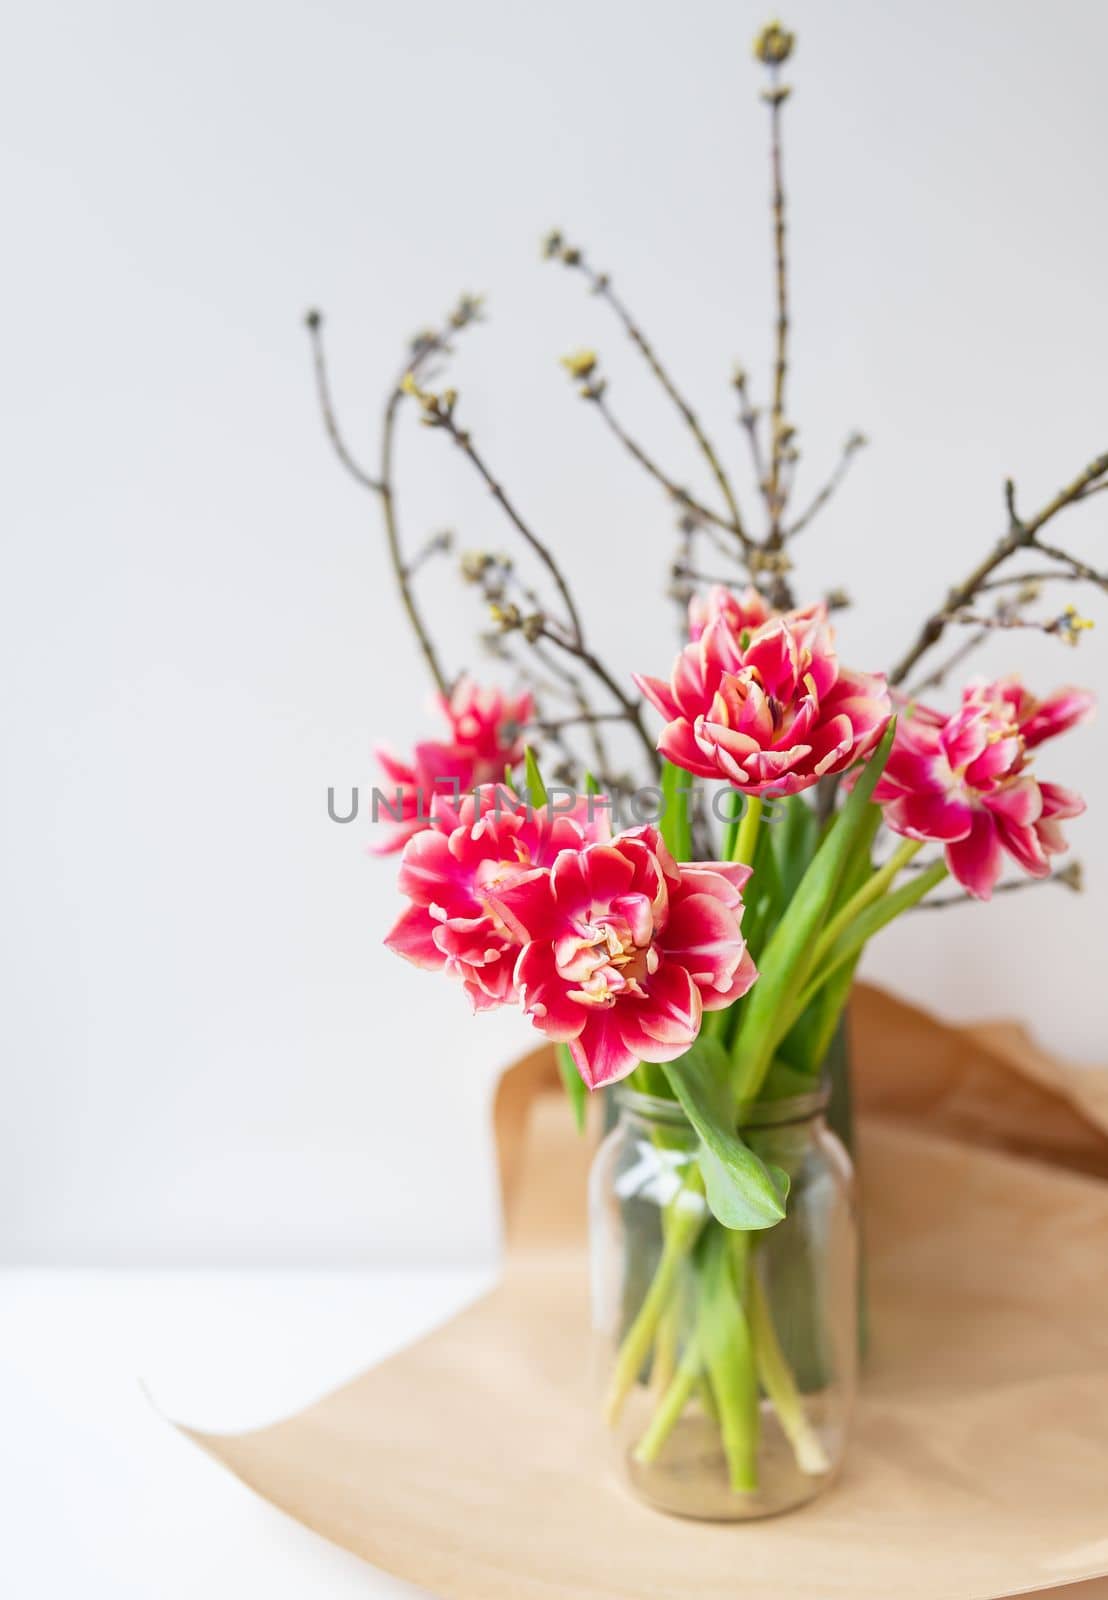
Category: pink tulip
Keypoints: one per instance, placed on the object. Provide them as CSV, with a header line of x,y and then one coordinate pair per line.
x,y
965,781
624,950
485,738
453,869
740,611
769,710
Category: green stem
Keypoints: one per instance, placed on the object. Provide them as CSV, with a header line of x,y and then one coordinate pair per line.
x,y
747,837
731,827
786,959
873,888
681,1235
715,1023
860,931
847,947
729,1356
780,1385
707,1398
663,1365
671,1405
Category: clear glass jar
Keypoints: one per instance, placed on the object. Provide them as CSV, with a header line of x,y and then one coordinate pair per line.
x,y
728,1359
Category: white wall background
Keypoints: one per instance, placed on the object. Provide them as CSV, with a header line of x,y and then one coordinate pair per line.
x,y
208,1055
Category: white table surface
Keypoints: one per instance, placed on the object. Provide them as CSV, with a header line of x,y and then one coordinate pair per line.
x,y
101,1497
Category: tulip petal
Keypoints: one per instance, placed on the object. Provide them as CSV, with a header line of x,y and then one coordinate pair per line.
x,y
658,693
930,816
412,936
544,996
1019,802
1024,846
1057,714
742,979
1059,802
703,936
600,1054
662,1026
977,860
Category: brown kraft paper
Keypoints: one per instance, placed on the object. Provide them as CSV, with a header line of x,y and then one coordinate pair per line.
x,y
474,1464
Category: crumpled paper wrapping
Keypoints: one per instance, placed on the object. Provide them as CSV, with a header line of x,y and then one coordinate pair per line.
x,y
474,1465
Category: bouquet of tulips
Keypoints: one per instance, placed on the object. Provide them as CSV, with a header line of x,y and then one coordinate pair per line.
x,y
719,983
703,952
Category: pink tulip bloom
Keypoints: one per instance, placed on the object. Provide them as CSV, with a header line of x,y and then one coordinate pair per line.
x,y
488,725
623,951
740,611
452,871
1037,720
965,781
769,710
485,738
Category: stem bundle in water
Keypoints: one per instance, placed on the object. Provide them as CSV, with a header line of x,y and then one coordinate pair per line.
x,y
708,1283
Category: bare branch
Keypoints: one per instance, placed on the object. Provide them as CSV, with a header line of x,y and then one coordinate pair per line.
x,y
631,708
682,496
1068,877
314,324
1019,536
601,285
438,411
750,416
850,449
682,569
1077,569
938,677
582,718
1033,579
775,97
382,485
590,720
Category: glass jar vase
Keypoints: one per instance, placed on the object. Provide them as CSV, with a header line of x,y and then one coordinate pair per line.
x,y
728,1359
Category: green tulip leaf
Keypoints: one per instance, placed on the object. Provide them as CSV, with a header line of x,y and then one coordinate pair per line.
x,y
673,824
536,789
574,1085
742,1190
